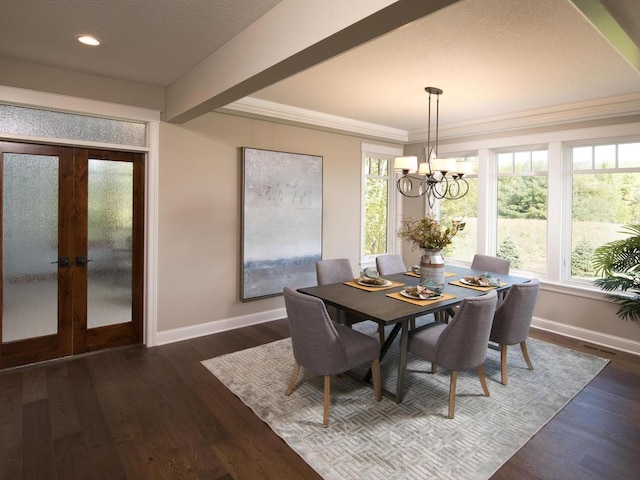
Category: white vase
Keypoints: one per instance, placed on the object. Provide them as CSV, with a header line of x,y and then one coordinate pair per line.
x,y
432,266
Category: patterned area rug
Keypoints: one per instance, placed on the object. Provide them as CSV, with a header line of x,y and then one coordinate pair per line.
x,y
412,440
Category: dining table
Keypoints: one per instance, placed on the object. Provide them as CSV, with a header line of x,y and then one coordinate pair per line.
x,y
387,306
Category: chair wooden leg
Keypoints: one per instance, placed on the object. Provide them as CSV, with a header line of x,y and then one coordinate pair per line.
x,y
452,393
375,373
434,368
525,354
327,394
412,324
483,380
294,377
381,333
503,363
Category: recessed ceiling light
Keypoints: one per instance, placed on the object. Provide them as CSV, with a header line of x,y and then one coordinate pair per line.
x,y
88,40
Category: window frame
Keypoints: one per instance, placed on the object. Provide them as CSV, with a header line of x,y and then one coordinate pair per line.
x,y
566,276
532,173
559,190
394,200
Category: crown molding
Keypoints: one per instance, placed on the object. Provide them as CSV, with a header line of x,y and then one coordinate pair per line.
x,y
277,112
603,108
544,117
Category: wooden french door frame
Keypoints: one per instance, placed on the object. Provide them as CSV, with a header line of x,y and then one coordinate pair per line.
x,y
90,339
73,335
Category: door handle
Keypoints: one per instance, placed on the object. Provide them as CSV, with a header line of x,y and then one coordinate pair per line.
x,y
82,261
63,262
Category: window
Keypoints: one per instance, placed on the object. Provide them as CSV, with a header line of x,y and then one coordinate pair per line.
x,y
605,194
465,244
522,208
378,191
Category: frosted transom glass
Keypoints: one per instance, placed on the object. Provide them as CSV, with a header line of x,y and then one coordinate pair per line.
x,y
35,122
110,220
29,246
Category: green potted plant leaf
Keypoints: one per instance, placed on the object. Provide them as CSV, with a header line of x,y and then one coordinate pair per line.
x,y
619,264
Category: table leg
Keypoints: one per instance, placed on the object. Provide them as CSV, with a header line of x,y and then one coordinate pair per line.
x,y
385,347
404,340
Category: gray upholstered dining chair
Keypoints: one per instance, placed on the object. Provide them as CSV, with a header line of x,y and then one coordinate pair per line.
x,y
460,344
389,264
333,270
487,263
324,348
336,270
512,320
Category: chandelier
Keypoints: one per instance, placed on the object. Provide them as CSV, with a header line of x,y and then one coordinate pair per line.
x,y
437,177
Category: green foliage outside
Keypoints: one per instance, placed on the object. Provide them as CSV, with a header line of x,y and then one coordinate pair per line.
x,y
376,215
376,206
509,249
581,258
522,197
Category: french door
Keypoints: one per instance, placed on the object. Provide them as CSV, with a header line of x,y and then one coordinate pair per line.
x,y
72,251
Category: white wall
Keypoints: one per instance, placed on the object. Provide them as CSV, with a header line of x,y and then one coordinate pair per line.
x,y
199,216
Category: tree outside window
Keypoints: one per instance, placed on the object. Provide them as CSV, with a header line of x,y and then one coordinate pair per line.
x,y
376,205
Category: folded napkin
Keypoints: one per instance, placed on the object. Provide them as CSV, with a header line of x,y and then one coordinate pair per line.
x,y
370,276
431,285
484,280
423,293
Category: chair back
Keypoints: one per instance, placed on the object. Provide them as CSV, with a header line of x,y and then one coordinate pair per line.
x,y
487,263
463,343
333,270
390,264
316,343
512,318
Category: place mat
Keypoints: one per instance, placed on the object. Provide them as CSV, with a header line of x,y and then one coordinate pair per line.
x,y
446,274
353,283
421,303
458,283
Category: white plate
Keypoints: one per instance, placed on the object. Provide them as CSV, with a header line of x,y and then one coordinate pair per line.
x,y
404,293
385,284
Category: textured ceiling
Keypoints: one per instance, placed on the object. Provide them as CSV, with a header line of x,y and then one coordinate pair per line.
x,y
491,57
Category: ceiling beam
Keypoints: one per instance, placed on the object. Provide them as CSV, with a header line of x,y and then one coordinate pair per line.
x,y
288,39
610,28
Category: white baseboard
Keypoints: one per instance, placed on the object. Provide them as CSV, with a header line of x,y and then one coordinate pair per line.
x,y
591,336
194,331
185,333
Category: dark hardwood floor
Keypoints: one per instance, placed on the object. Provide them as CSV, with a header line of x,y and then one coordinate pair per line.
x,y
155,413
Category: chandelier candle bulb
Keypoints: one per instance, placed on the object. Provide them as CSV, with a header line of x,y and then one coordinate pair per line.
x,y
444,165
464,168
406,164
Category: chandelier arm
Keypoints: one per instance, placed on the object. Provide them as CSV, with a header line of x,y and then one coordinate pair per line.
x,y
457,189
440,188
405,186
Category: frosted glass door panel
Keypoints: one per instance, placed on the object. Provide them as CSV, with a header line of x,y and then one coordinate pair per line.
x,y
29,246
110,220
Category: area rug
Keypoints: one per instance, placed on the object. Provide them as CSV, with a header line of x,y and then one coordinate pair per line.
x,y
414,439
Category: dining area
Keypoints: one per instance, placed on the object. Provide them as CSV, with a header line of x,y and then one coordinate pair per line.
x,y
451,325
